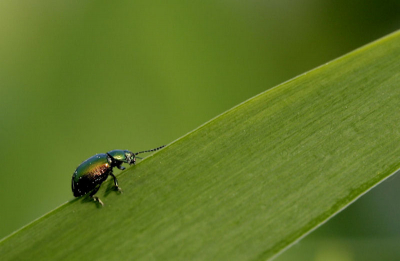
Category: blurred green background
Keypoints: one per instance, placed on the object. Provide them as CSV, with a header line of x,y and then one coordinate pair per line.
x,y
84,77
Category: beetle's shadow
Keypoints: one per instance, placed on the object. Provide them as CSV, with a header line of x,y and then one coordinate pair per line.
x,y
111,188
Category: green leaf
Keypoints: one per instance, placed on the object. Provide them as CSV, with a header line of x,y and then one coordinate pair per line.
x,y
247,184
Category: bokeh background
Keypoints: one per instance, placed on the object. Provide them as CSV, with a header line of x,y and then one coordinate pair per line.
x,y
84,77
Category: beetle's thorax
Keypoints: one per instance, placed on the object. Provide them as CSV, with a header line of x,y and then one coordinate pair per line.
x,y
112,161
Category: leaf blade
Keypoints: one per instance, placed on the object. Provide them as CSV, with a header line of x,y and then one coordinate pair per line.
x,y
248,183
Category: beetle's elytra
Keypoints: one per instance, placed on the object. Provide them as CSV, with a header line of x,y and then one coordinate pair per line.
x,y
88,176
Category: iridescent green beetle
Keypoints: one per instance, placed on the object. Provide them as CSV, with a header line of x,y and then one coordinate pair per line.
x,y
95,170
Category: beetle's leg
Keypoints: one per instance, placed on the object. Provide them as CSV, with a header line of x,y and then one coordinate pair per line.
x,y
98,200
116,182
94,191
120,167
115,179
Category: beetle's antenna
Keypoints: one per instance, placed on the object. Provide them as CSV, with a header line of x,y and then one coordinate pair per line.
x,y
150,150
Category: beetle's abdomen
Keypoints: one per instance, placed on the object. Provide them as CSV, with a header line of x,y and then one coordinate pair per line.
x,y
89,174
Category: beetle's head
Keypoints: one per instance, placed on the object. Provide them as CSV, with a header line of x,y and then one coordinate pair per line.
x,y
124,156
130,157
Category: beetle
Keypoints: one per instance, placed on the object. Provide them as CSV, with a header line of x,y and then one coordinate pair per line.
x,y
91,173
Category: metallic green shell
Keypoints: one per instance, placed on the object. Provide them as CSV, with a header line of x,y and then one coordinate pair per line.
x,y
93,166
119,155
90,173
